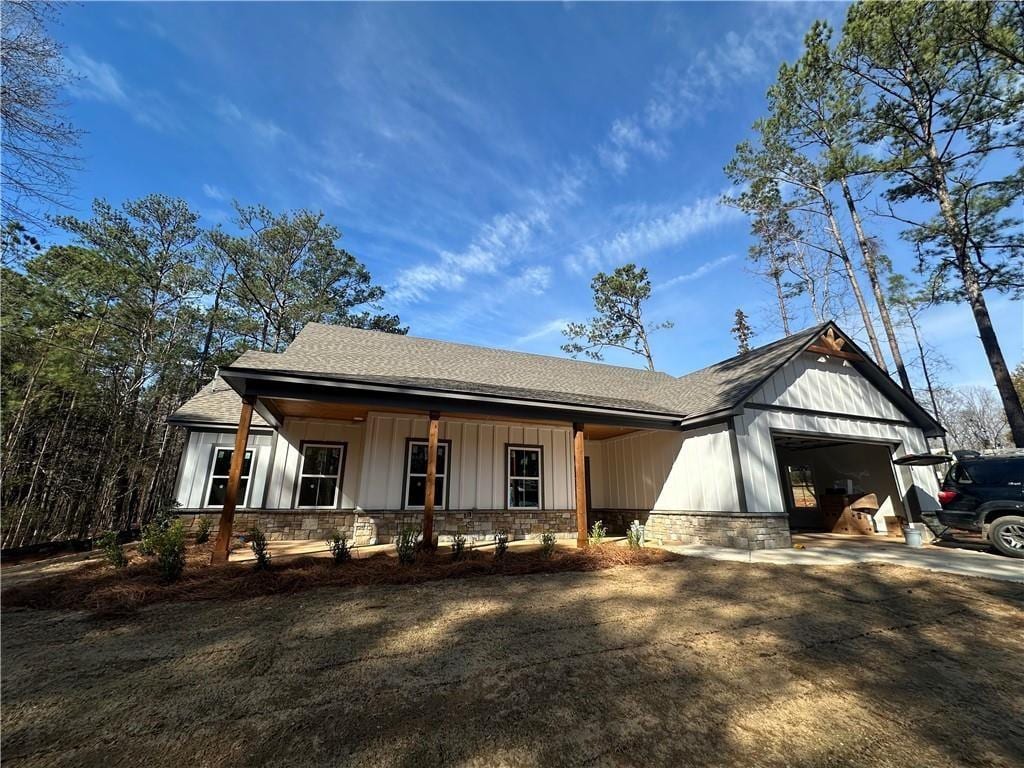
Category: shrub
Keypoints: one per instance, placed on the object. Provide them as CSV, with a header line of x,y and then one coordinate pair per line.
x,y
203,528
340,548
169,548
260,548
547,544
112,551
635,535
458,546
153,530
500,544
597,533
405,544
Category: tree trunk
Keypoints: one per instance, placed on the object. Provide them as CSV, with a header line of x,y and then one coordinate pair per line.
x,y
781,299
975,297
851,274
872,269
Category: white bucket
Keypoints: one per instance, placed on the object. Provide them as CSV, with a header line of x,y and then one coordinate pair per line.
x,y
912,536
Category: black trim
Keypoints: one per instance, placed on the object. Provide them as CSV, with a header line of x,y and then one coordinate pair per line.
x,y
297,386
829,414
208,482
207,426
540,477
447,474
302,462
734,445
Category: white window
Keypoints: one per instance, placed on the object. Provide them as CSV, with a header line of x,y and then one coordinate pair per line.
x,y
320,476
416,475
524,464
219,478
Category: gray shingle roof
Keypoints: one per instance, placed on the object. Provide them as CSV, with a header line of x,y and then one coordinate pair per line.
x,y
372,356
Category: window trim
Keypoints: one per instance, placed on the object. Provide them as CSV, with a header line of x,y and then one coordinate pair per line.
x,y
540,475
340,477
409,442
244,503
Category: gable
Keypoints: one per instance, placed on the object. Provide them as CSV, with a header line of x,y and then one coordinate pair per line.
x,y
812,381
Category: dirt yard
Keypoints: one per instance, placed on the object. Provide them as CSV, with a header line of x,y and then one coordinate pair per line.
x,y
692,663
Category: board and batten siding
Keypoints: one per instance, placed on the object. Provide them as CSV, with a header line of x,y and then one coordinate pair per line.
x,y
664,471
288,459
831,385
477,465
194,477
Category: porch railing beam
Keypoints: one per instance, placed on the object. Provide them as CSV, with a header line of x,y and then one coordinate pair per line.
x,y
222,543
580,471
428,492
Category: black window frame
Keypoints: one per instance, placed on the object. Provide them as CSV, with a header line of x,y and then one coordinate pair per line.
x,y
509,447
409,442
343,445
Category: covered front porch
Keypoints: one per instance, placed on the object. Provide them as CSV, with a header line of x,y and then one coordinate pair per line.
x,y
313,457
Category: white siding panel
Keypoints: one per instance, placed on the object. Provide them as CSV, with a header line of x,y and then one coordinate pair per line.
x,y
198,462
661,470
477,469
288,458
825,385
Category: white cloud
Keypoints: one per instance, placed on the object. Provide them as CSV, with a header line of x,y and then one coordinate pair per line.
x,y
700,271
96,79
497,244
328,187
547,329
214,193
534,280
653,234
100,81
265,131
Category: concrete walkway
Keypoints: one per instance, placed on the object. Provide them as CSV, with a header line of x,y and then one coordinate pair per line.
x,y
968,559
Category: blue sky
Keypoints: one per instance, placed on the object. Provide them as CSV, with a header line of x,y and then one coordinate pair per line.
x,y
484,161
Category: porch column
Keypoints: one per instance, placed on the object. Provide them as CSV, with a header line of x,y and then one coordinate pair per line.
x,y
227,515
581,485
428,494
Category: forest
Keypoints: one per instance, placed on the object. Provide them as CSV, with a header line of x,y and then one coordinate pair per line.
x,y
911,113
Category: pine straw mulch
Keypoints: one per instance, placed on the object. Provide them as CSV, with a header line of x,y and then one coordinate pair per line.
x,y
105,590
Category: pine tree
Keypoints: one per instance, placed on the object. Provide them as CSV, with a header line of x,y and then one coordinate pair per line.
x,y
742,332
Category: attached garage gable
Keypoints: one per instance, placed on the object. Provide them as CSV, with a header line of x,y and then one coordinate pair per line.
x,y
814,382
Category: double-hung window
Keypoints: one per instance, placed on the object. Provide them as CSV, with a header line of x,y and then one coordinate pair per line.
x,y
416,475
320,476
219,478
524,481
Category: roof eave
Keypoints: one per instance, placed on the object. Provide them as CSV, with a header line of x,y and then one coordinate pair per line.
x,y
295,385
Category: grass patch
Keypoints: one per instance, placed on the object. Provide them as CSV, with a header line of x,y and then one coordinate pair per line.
x,y
104,590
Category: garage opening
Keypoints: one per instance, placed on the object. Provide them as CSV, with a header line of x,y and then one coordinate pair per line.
x,y
838,486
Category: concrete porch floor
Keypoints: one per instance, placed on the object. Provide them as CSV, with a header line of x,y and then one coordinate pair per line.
x,y
970,558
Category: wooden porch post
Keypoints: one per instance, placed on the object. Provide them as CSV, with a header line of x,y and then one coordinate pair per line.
x,y
227,515
579,464
428,495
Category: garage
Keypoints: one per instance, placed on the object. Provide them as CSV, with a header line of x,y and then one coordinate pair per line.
x,y
837,485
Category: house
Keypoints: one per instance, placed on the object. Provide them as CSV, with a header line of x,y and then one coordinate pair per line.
x,y
368,432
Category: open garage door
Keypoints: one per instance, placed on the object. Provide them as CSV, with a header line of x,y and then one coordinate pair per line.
x,y
838,486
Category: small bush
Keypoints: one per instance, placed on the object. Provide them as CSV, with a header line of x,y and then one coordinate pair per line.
x,y
406,545
203,528
635,535
547,544
260,548
458,546
341,551
597,533
112,551
153,530
500,544
169,548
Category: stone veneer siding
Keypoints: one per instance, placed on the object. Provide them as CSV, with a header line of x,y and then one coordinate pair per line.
x,y
382,527
723,529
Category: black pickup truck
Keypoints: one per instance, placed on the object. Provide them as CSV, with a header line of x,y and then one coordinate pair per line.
x,y
986,494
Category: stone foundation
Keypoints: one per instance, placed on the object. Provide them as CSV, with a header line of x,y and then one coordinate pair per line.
x,y
722,529
365,527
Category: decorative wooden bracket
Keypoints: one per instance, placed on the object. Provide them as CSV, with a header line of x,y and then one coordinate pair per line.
x,y
831,345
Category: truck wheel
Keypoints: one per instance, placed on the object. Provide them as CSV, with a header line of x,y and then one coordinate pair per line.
x,y
1007,535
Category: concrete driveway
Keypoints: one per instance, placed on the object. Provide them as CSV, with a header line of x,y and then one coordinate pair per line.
x,y
965,559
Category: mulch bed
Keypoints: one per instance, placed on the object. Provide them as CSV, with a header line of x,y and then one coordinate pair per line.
x,y
103,589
